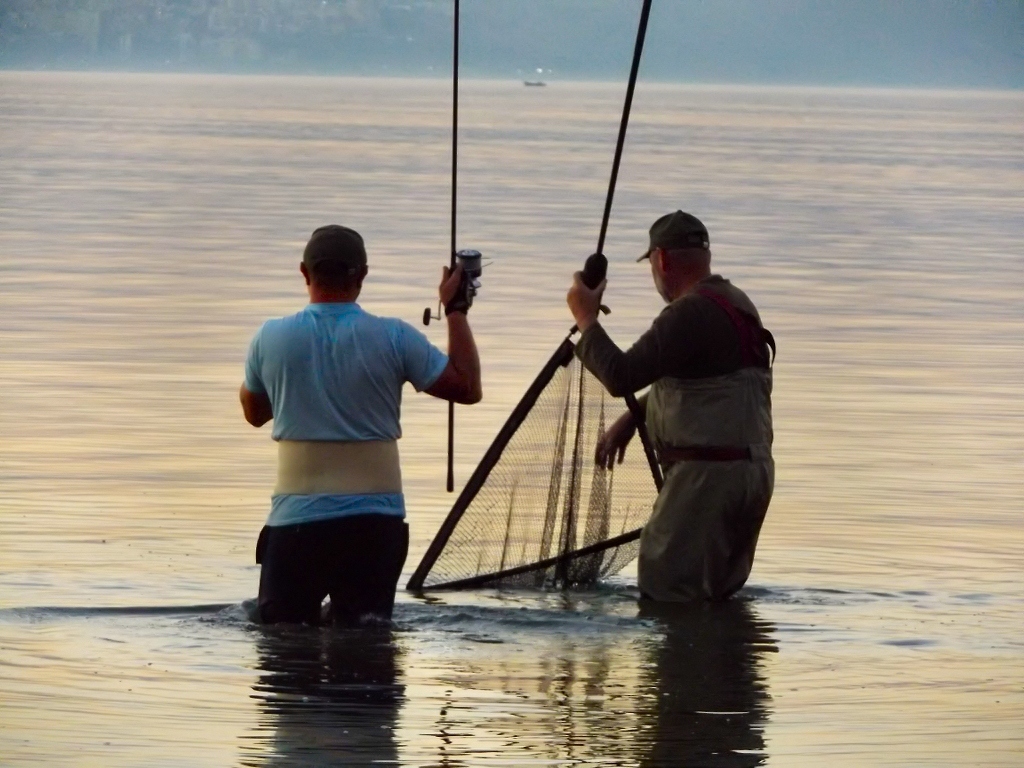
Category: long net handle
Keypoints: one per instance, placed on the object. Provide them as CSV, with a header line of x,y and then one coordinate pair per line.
x,y
568,542
638,50
645,439
450,482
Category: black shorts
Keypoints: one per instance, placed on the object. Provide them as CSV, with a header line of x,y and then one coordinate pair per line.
x,y
356,560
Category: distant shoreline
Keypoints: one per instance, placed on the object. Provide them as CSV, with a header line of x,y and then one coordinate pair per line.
x,y
518,81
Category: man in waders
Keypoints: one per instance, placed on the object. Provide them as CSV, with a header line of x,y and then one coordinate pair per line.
x,y
706,359
331,379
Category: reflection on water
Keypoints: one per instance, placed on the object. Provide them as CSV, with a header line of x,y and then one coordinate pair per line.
x,y
674,686
326,697
711,703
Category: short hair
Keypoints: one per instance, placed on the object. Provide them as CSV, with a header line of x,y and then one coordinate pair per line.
x,y
335,276
691,254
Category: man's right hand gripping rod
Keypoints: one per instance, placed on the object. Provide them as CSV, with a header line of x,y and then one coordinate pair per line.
x,y
594,271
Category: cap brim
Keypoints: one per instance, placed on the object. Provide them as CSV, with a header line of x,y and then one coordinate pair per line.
x,y
645,255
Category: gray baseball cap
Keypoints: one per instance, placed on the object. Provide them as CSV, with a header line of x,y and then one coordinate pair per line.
x,y
336,244
677,230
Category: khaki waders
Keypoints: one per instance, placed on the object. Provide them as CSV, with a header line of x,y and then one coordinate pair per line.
x,y
699,542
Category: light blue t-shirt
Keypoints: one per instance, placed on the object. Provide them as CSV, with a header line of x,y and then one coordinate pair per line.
x,y
335,372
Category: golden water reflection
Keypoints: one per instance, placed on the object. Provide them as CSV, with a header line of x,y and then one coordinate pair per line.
x,y
688,689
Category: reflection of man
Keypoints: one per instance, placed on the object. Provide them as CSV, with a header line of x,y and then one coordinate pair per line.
x,y
328,698
711,702
331,378
708,413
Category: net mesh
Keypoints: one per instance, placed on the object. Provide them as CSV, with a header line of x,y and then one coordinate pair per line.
x,y
545,498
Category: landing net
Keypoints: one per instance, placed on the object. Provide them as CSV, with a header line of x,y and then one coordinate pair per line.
x,y
538,511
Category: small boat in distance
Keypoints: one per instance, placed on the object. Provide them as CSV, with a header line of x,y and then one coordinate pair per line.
x,y
535,83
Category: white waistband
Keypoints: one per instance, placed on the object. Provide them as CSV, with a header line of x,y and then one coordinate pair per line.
x,y
315,466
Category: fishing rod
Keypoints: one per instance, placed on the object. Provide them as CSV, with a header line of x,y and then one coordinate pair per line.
x,y
596,267
469,260
597,264
594,271
450,481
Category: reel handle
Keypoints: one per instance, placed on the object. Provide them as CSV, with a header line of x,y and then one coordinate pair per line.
x,y
428,315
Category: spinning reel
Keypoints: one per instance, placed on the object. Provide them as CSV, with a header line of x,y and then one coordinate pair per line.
x,y
472,269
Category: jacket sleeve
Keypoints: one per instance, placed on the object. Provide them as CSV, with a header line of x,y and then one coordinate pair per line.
x,y
665,346
620,372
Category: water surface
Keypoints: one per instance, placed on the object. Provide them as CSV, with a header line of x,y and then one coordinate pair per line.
x,y
149,223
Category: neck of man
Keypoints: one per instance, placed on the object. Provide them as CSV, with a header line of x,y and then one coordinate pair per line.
x,y
687,279
318,295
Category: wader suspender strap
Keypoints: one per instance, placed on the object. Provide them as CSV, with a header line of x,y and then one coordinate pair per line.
x,y
753,336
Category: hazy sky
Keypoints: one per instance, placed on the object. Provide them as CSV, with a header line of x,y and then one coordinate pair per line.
x,y
926,42
953,43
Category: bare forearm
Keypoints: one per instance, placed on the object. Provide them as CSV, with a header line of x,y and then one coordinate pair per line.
x,y
255,407
463,355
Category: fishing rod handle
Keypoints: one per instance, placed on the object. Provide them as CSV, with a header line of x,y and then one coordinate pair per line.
x,y
594,270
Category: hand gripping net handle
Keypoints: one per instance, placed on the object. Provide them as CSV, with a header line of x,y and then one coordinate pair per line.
x,y
594,271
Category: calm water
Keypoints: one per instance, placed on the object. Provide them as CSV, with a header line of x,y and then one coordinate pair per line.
x,y
148,224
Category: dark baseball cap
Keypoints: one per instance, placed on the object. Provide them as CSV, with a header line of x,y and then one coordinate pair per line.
x,y
677,230
336,244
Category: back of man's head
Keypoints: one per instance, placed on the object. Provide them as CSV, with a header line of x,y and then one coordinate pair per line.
x,y
335,257
679,233
689,258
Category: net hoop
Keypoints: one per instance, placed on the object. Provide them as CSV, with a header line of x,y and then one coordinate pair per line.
x,y
563,574
563,559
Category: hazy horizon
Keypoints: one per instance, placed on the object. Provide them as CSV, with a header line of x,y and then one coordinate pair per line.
x,y
753,85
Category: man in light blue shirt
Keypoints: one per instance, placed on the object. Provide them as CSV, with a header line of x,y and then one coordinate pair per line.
x,y
331,379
